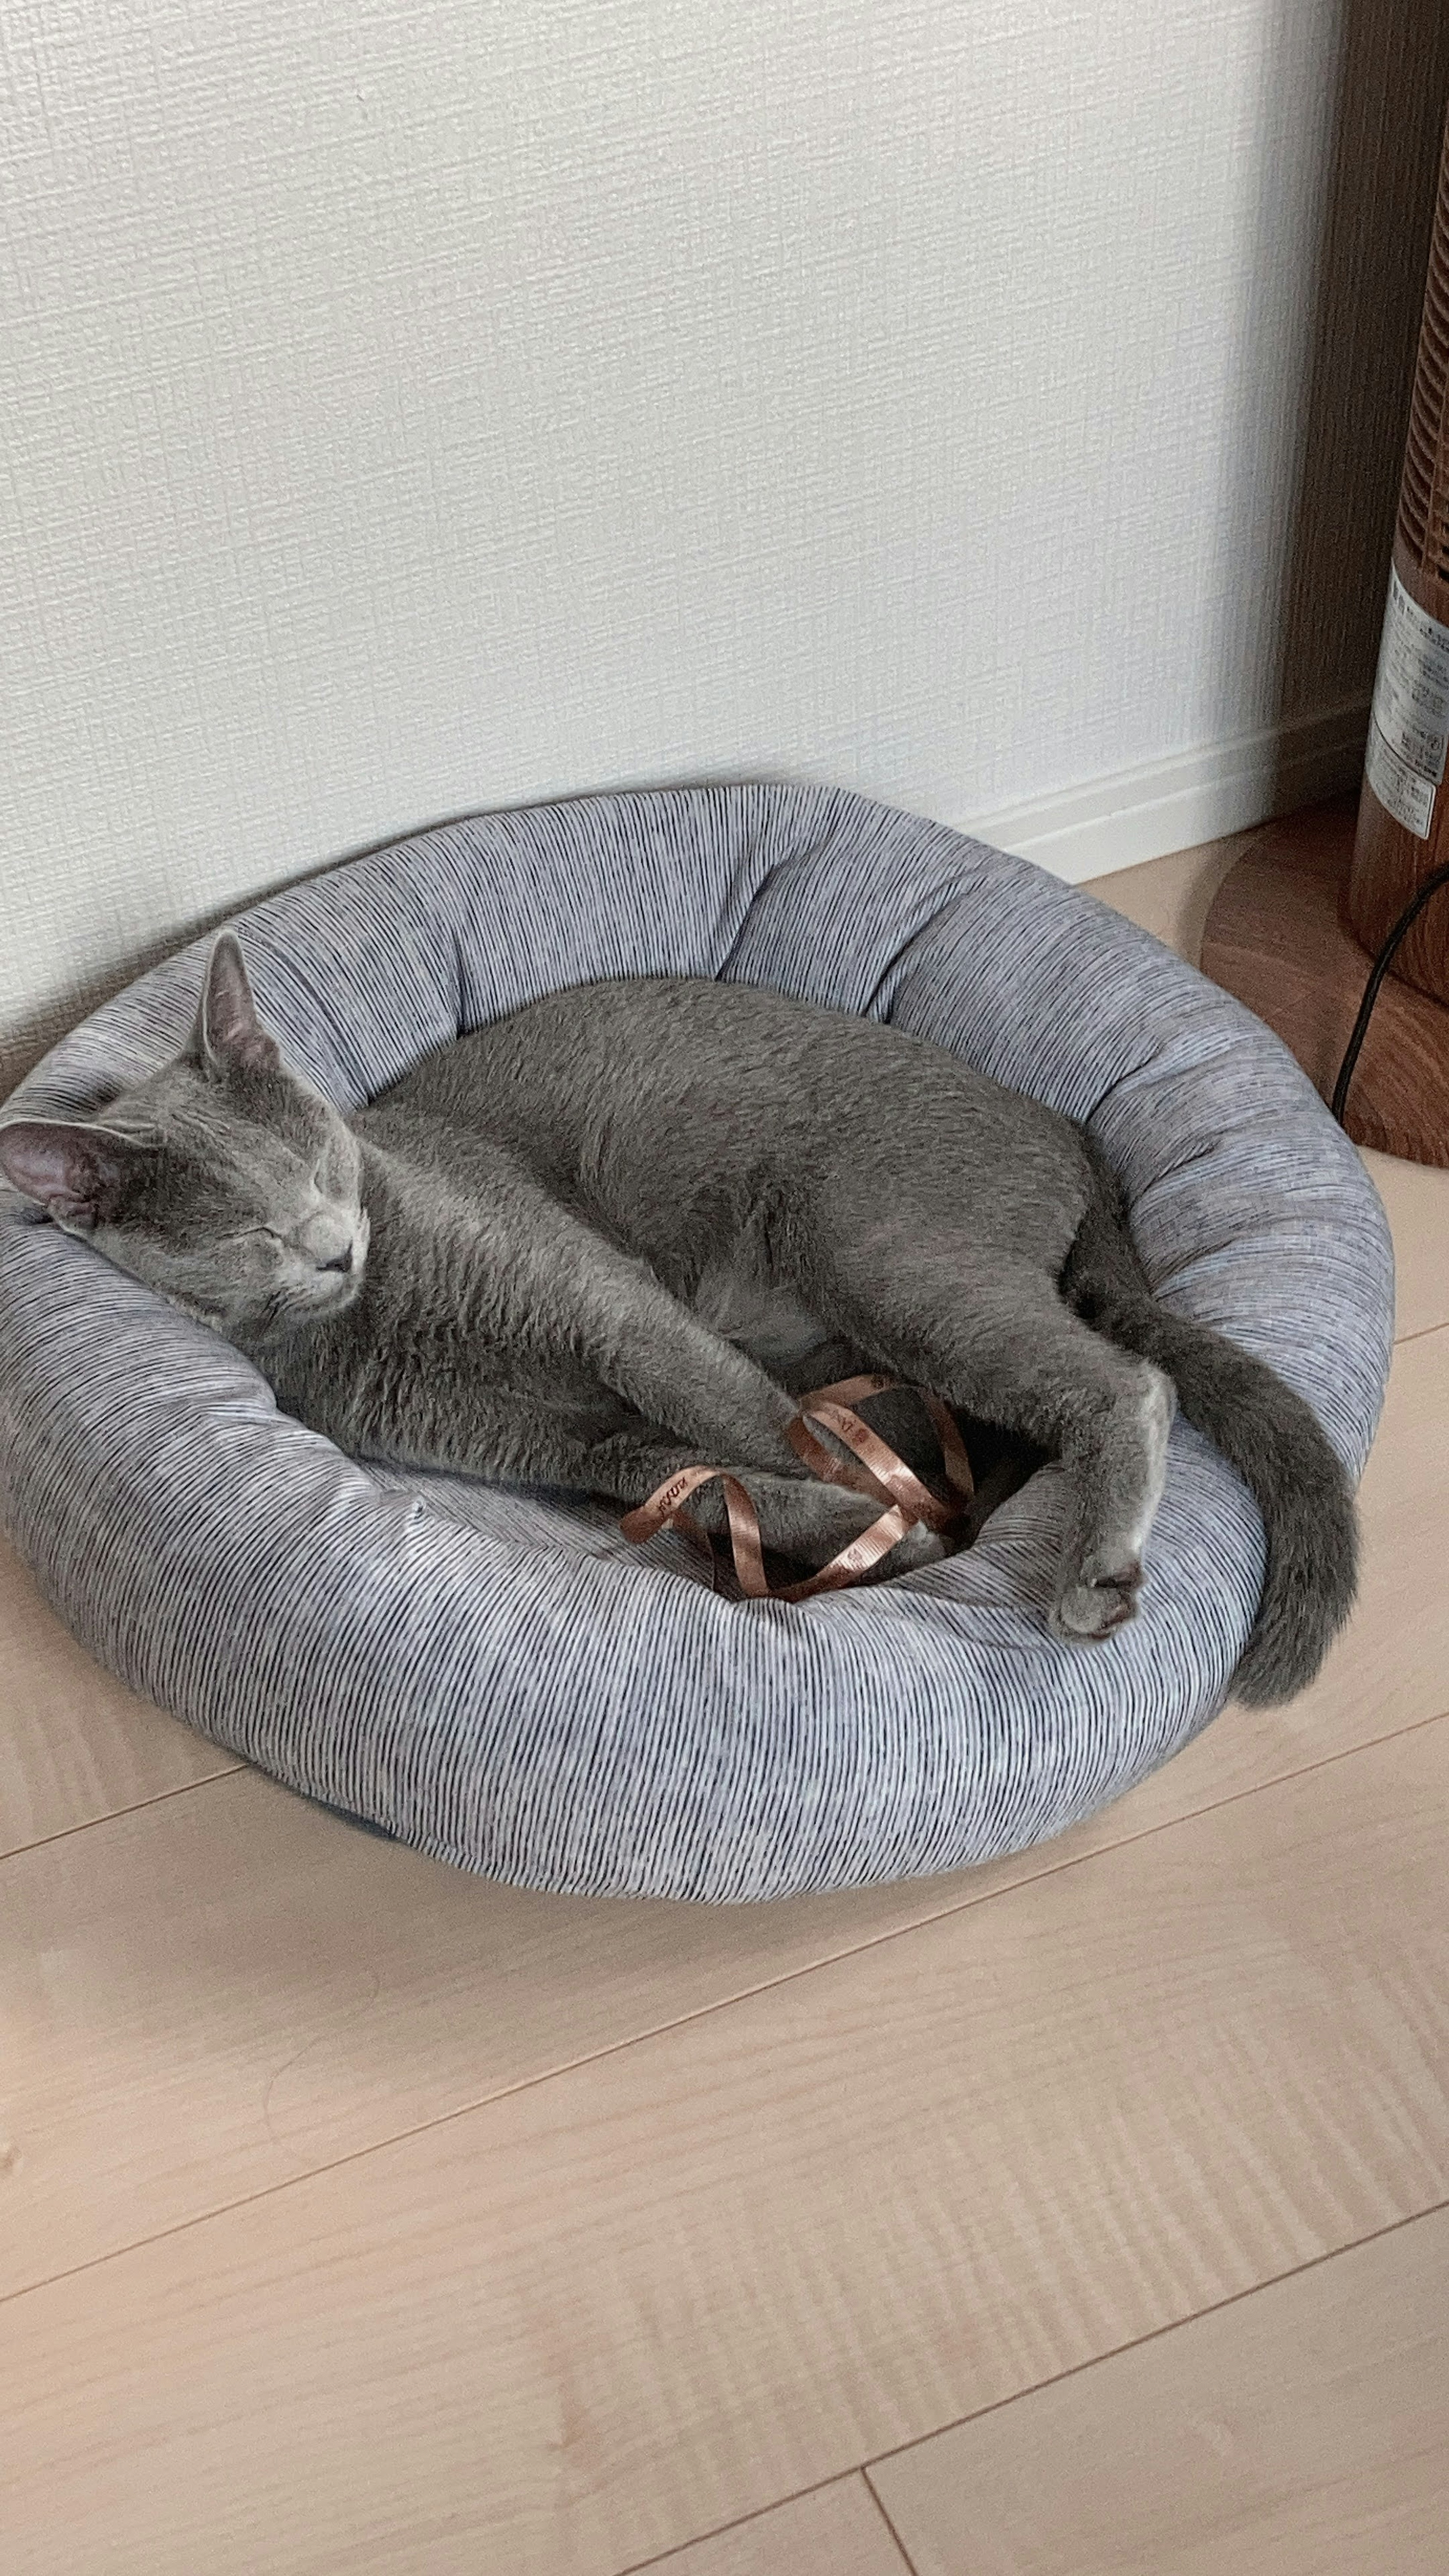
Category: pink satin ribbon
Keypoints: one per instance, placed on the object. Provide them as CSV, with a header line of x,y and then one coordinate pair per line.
x,y
879,1472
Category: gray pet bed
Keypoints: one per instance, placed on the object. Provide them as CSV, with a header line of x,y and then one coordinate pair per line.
x,y
495,1676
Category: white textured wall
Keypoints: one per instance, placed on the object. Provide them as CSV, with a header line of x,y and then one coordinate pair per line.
x,y
428,404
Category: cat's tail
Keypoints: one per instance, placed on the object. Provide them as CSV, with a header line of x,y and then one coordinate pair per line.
x,y
1263,1429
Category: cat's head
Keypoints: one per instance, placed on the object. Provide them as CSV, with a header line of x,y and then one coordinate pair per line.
x,y
223,1182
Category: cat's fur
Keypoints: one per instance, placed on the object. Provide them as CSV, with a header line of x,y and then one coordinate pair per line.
x,y
585,1246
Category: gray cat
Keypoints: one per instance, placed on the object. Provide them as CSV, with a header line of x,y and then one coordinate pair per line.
x,y
590,1244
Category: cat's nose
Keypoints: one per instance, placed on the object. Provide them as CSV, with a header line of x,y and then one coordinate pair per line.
x,y
340,1260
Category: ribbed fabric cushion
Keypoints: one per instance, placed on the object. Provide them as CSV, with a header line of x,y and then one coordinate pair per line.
x,y
495,1676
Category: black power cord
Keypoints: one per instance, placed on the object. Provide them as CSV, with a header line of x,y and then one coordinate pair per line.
x,y
1381,965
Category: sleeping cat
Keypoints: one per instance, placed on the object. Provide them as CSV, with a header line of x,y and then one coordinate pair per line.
x,y
585,1247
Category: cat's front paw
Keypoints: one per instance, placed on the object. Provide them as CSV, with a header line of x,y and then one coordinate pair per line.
x,y
920,1546
819,1521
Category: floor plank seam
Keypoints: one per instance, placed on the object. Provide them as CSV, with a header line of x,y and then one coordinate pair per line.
x,y
978,2414
113,1815
1422,1333
761,2513
1137,2343
724,2003
907,2560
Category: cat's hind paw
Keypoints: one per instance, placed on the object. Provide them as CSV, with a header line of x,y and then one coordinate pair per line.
x,y
1085,1612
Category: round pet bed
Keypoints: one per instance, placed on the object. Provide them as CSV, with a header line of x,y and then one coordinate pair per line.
x,y
495,1676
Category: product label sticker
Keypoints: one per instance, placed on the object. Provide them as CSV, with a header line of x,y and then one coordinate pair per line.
x,y
1399,789
1411,690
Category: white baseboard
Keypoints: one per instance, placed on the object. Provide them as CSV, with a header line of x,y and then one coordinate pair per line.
x,y
1195,796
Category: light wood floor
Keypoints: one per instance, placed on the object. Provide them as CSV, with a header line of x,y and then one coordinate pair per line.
x,y
1086,2213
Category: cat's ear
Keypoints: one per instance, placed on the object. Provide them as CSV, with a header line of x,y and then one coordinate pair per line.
x,y
78,1174
227,1030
